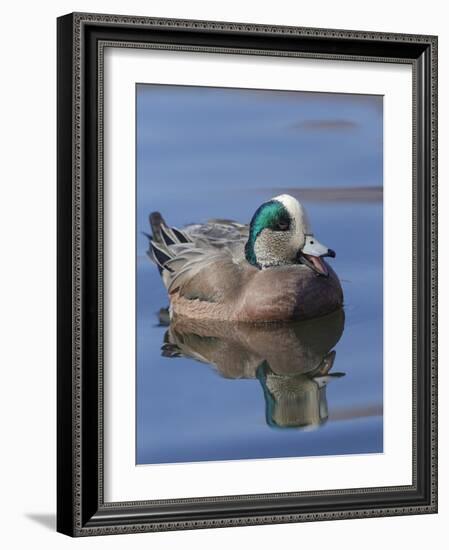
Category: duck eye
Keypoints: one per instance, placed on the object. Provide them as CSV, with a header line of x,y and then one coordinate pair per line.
x,y
282,226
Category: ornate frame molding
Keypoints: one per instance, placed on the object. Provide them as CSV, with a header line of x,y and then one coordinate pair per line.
x,y
81,510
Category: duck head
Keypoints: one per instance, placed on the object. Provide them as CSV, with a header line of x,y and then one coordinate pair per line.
x,y
280,234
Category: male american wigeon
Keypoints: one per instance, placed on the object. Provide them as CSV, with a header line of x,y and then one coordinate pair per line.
x,y
270,270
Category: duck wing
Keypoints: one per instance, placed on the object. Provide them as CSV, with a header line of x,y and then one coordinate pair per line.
x,y
218,232
200,262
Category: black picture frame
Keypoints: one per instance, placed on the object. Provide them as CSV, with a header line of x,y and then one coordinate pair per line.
x,y
81,509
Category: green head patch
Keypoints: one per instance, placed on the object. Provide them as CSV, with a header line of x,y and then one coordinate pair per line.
x,y
271,215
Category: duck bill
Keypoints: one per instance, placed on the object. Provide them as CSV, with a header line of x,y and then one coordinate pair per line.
x,y
312,255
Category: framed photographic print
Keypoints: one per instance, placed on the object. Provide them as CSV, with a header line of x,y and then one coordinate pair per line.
x,y
247,279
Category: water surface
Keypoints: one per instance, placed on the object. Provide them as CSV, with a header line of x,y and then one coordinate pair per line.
x,y
205,153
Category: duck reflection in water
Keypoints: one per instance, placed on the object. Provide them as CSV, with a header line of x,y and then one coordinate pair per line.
x,y
292,361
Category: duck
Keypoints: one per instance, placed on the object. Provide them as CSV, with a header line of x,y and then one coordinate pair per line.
x,y
270,270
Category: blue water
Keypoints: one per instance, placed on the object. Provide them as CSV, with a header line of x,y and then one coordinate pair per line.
x,y
205,153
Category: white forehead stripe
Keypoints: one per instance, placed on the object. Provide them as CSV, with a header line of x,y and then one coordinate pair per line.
x,y
296,211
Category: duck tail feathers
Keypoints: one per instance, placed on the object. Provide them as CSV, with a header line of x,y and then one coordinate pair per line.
x,y
160,254
156,222
164,234
163,241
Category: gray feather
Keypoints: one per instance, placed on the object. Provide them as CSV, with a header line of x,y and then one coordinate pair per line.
x,y
193,260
